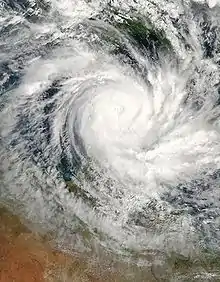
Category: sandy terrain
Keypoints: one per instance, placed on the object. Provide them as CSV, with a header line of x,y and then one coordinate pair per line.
x,y
27,257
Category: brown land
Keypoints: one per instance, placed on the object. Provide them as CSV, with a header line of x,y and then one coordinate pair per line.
x,y
27,257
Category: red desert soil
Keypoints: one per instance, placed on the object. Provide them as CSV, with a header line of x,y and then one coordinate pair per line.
x,y
27,257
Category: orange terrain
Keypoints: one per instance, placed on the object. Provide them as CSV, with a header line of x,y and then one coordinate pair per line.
x,y
27,257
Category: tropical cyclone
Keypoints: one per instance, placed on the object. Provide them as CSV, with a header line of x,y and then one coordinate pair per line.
x,y
110,122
